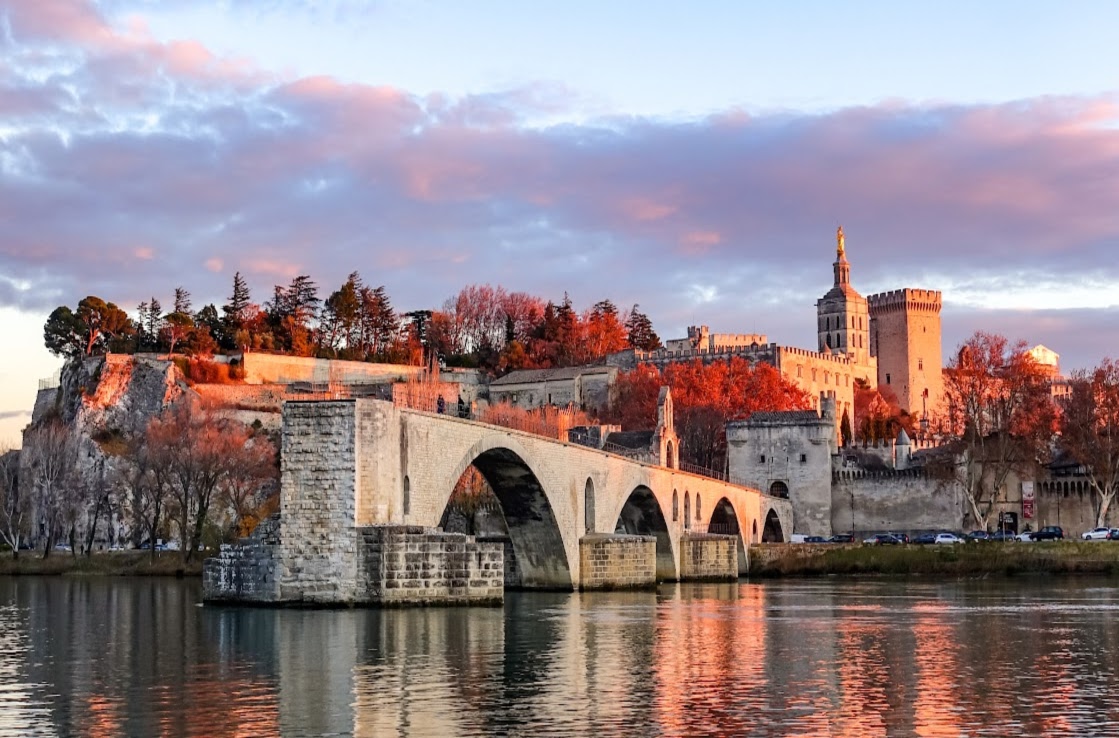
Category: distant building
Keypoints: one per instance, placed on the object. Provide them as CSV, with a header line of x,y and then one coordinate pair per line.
x,y
586,387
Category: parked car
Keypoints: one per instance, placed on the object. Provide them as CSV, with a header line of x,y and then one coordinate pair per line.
x,y
1112,536
1003,535
1048,533
815,539
882,539
978,535
842,538
1097,534
900,536
925,539
948,538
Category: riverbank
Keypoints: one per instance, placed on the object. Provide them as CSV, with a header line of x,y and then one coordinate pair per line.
x,y
107,563
966,559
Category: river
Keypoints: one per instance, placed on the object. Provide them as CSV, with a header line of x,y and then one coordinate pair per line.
x,y
143,657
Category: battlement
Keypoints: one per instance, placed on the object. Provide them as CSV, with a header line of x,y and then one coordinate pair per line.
x,y
913,300
841,359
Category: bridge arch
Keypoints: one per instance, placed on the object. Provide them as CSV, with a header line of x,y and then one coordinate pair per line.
x,y
724,521
539,545
772,532
641,514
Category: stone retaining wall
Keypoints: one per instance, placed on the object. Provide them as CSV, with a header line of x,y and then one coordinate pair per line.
x,y
617,561
708,557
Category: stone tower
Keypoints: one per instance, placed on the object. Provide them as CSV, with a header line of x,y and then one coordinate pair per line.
x,y
905,336
843,322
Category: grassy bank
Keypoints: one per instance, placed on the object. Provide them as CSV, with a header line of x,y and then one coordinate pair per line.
x,y
970,559
111,563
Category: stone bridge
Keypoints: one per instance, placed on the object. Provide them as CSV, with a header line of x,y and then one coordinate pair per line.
x,y
355,463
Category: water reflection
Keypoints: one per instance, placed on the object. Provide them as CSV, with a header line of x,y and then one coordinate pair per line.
x,y
884,658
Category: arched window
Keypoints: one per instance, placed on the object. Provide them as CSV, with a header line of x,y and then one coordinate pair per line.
x,y
675,506
669,460
407,496
588,506
687,510
779,489
697,515
754,533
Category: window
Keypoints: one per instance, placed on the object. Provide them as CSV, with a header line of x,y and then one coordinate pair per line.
x,y
407,496
675,506
763,458
887,379
813,375
697,505
920,365
800,371
804,458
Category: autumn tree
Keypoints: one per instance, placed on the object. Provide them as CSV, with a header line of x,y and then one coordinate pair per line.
x,y
250,492
603,331
705,397
1001,413
197,455
1090,430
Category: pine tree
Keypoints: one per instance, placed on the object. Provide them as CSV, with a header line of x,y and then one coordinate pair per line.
x,y
845,428
640,331
239,301
182,301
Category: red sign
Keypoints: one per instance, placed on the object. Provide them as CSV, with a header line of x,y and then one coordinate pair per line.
x,y
1027,499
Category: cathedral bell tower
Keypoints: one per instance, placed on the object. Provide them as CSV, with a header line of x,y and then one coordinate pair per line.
x,y
843,323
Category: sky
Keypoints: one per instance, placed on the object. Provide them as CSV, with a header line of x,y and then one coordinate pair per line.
x,y
692,158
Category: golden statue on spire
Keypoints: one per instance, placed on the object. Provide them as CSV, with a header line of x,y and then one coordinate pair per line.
x,y
840,247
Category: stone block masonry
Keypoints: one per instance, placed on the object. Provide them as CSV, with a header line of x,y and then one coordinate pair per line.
x,y
410,565
708,557
617,561
396,566
246,571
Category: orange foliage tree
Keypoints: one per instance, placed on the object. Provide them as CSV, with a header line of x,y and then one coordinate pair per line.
x,y
705,397
1002,414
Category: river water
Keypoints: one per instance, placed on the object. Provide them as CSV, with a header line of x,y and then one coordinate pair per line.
x,y
998,657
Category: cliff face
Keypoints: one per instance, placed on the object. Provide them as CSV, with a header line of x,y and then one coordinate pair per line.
x,y
116,393
104,400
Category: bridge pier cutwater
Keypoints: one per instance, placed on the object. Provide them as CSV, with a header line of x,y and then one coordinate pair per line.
x,y
364,485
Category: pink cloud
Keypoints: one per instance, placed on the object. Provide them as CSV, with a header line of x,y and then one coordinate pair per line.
x,y
214,264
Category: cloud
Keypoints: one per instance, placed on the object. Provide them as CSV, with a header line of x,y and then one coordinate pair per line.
x,y
215,167
14,414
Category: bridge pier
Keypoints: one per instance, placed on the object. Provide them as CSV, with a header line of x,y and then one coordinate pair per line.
x,y
617,561
708,557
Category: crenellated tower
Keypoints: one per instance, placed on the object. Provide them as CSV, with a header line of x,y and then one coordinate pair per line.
x,y
905,337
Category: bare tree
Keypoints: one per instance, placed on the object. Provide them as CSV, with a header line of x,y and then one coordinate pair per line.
x,y
13,504
1000,410
52,454
255,473
1090,430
